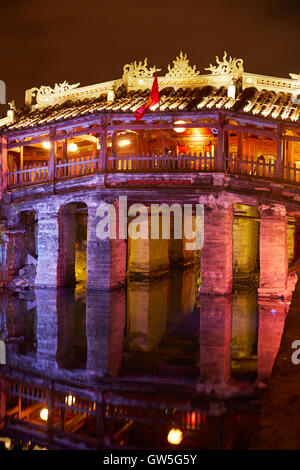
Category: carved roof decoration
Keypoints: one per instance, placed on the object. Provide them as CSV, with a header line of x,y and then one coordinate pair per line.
x,y
45,95
248,102
182,89
231,66
181,68
295,76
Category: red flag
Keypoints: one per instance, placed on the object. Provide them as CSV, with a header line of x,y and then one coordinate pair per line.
x,y
153,99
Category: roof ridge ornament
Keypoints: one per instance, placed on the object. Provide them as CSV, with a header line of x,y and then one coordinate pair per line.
x,y
45,95
295,76
135,72
181,68
230,66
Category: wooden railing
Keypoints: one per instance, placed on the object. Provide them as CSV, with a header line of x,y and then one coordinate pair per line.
x,y
249,166
155,162
76,167
34,173
160,162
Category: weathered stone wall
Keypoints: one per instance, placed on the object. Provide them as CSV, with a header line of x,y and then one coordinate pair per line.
x,y
273,251
216,254
214,338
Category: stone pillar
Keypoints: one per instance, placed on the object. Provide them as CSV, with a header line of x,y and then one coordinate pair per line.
x,y
216,254
105,322
46,328
148,257
273,252
67,238
147,313
48,245
272,315
106,259
215,335
178,254
66,327
182,293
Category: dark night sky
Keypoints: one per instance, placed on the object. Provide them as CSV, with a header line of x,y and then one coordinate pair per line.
x,y
44,42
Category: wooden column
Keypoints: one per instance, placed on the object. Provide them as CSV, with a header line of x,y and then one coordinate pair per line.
x,y
21,158
65,149
3,163
220,163
52,156
278,162
103,149
114,149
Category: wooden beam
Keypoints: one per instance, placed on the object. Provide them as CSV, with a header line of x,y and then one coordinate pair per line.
x,y
291,138
250,130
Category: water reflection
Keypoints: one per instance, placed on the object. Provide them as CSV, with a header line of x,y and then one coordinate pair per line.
x,y
159,327
155,332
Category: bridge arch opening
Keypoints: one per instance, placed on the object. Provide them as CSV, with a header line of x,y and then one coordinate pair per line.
x,y
245,235
72,262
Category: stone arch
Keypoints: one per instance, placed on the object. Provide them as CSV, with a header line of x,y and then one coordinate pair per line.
x,y
72,228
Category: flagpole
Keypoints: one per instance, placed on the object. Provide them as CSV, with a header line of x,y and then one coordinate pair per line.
x,y
160,115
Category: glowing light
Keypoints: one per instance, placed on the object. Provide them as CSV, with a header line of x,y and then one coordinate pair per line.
x,y
70,400
231,91
141,82
179,129
44,414
47,145
72,147
175,436
124,142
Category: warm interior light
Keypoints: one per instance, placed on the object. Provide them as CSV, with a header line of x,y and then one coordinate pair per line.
x,y
124,142
44,414
70,400
179,129
72,147
47,145
175,436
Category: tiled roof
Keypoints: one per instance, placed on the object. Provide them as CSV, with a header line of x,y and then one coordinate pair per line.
x,y
250,101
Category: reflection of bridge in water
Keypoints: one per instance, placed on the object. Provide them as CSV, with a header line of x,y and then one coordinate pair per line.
x,y
104,371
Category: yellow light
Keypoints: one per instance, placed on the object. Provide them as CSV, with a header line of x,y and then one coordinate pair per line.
x,y
70,400
179,129
175,436
47,145
72,147
44,414
124,142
